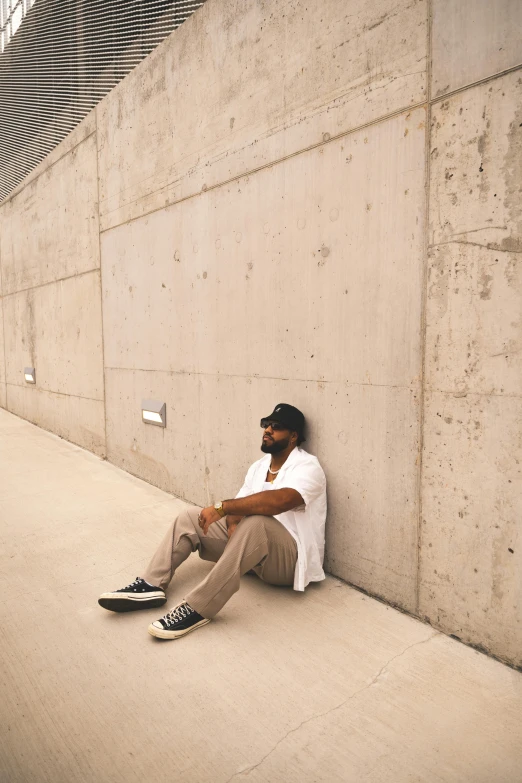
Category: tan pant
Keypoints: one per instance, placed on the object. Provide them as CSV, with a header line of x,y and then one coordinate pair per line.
x,y
259,543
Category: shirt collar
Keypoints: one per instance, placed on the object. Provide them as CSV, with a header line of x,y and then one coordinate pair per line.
x,y
289,460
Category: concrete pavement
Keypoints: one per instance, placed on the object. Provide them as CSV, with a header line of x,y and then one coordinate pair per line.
x,y
328,686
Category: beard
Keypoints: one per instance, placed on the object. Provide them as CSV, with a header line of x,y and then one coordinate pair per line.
x,y
275,447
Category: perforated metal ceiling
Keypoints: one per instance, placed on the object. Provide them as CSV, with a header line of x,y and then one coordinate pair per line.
x,y
61,59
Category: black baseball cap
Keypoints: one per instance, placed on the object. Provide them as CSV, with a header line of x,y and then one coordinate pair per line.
x,y
289,416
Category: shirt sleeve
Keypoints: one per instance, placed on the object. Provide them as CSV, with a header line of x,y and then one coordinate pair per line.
x,y
309,481
246,489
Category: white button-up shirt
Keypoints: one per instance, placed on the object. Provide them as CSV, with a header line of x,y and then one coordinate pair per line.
x,y
305,523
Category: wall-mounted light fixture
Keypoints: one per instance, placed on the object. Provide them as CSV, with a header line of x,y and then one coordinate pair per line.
x,y
29,375
154,412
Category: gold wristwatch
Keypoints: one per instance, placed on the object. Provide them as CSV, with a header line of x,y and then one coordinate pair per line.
x,y
219,508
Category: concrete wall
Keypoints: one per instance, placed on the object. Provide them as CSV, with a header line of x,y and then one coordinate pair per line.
x,y
51,301
471,537
317,204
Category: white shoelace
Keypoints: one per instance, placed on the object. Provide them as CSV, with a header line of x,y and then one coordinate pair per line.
x,y
177,614
137,582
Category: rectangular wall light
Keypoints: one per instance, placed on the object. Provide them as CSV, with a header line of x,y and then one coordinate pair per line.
x,y
29,375
154,412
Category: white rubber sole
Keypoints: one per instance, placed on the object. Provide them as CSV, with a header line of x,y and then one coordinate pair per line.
x,y
161,633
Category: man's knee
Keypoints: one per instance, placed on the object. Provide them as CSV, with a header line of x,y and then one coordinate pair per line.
x,y
186,524
251,524
189,515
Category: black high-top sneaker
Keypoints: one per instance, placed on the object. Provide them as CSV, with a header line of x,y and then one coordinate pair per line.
x,y
179,621
138,595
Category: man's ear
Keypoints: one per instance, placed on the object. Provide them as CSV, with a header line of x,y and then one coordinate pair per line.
x,y
294,437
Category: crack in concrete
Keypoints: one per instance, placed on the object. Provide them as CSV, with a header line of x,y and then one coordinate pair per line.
x,y
374,679
475,230
490,245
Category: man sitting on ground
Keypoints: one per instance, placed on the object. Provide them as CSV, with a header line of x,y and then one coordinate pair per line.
x,y
274,526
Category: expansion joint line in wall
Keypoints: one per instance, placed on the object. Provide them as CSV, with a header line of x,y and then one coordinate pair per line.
x,y
424,298
470,86
323,381
57,393
3,334
251,172
101,280
51,282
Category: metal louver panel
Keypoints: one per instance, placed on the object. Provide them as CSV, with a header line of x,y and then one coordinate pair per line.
x,y
60,59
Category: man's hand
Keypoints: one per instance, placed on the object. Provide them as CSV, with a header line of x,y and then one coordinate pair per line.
x,y
207,517
267,503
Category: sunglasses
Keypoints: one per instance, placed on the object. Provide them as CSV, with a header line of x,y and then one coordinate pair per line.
x,y
276,425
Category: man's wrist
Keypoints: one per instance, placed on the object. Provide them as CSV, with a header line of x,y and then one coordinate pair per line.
x,y
219,508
